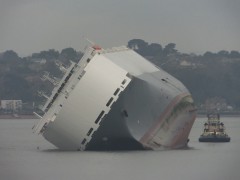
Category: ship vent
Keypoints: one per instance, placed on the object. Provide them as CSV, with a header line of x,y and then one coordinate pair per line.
x,y
83,141
124,81
116,92
89,132
109,101
99,117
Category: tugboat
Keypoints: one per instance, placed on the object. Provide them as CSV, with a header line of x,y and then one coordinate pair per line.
x,y
214,130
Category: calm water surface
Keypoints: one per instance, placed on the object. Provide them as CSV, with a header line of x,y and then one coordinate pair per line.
x,y
26,156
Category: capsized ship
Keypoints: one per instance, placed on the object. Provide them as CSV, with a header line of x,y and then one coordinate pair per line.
x,y
214,130
115,99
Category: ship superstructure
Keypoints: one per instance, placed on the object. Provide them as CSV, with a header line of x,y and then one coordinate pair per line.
x,y
116,99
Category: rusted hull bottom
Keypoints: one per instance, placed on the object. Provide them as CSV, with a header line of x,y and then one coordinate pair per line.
x,y
174,125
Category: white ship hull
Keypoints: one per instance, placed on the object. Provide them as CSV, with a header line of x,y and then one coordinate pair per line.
x,y
116,99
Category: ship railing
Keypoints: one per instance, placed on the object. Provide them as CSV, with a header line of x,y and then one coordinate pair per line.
x,y
74,73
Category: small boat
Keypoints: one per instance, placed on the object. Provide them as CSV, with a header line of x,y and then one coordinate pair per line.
x,y
214,130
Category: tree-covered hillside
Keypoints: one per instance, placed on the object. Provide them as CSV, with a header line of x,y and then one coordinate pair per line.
x,y
20,78
208,76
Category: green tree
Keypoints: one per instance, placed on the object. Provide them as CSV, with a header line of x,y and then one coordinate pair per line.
x,y
154,49
137,44
9,55
234,54
69,54
144,48
15,87
51,54
223,53
169,49
209,55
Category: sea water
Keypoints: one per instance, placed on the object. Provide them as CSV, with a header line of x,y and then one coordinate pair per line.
x,y
27,156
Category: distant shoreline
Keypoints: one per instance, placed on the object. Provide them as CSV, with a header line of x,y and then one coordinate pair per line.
x,y
223,114
22,116
32,116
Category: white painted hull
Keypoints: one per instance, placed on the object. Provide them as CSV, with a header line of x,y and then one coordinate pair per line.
x,y
116,99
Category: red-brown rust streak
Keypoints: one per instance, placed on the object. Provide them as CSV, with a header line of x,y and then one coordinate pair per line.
x,y
153,130
182,135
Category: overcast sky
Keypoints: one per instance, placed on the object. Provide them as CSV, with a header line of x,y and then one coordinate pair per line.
x,y
28,26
